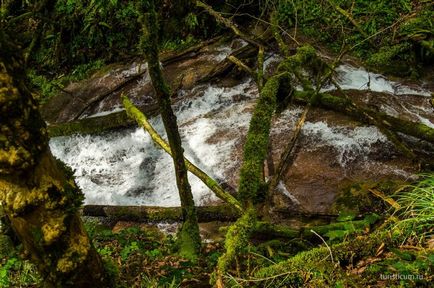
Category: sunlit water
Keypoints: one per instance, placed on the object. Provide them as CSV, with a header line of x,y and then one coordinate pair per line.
x,y
126,168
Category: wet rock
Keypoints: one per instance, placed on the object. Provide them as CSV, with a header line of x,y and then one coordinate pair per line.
x,y
342,151
333,152
102,91
75,99
139,192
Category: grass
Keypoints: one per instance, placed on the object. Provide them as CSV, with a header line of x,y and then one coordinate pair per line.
x,y
417,207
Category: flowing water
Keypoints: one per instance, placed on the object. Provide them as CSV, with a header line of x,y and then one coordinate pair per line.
x,y
126,168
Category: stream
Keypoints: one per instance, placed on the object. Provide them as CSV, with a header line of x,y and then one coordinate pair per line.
x,y
124,167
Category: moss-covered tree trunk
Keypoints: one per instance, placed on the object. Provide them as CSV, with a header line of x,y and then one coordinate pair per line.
x,y
188,236
38,195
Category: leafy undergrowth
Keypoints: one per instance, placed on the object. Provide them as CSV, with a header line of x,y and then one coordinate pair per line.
x,y
395,250
144,257
135,256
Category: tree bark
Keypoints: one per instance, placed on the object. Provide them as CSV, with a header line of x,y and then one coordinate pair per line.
x,y
38,194
188,236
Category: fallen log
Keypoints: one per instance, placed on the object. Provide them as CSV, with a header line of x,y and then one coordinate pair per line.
x,y
91,125
224,213
160,214
268,230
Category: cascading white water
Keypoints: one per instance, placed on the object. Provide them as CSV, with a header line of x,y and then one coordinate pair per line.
x,y
348,143
125,167
359,79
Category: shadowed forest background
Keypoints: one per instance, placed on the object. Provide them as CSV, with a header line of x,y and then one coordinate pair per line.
x,y
275,143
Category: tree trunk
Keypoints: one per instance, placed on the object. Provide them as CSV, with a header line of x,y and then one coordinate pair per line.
x,y
38,195
188,236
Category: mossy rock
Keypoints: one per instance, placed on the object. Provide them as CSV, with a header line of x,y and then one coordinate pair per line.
x,y
357,199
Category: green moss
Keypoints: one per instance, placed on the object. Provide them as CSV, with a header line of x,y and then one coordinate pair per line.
x,y
21,126
187,240
236,241
78,249
357,199
256,147
53,229
92,125
315,267
305,55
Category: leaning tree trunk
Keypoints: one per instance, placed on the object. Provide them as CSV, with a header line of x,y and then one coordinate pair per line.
x,y
189,238
38,194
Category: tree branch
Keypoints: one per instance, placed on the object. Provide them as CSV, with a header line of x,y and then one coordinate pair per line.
x,y
212,184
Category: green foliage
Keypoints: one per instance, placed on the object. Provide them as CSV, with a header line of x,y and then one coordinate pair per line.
x,y
4,271
345,228
76,32
85,30
128,249
414,267
15,272
48,88
178,44
399,30
191,21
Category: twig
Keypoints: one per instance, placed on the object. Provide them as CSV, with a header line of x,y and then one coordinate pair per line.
x,y
260,74
228,23
241,64
284,158
328,247
262,256
389,200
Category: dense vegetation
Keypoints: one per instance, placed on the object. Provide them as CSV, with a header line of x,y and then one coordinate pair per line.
x,y
392,36
382,229
141,256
